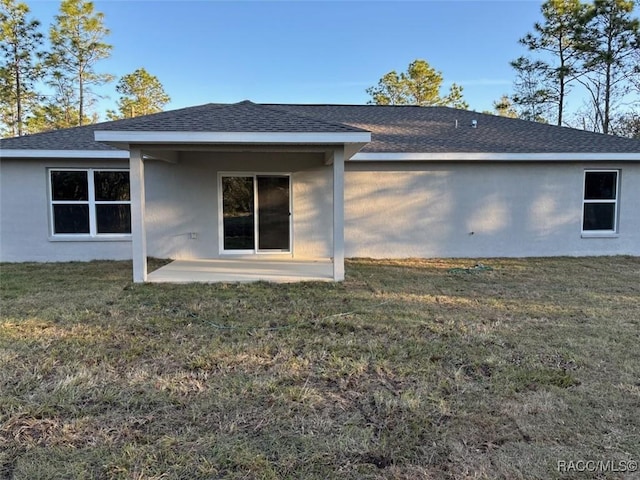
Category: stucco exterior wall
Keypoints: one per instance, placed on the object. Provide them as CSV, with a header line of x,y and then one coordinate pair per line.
x,y
182,198
400,209
395,210
25,230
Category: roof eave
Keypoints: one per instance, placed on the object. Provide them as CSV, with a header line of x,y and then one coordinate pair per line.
x,y
121,139
352,153
46,153
494,157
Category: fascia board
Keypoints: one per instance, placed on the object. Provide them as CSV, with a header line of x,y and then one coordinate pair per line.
x,y
144,137
33,153
492,157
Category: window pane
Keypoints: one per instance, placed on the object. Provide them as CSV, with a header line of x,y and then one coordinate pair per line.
x,y
71,218
111,186
273,213
69,186
599,216
600,185
113,218
237,209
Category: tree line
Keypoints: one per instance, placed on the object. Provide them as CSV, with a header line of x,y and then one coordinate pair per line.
x,y
48,83
592,47
585,49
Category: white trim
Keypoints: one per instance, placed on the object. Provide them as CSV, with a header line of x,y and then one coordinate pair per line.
x,y
595,234
358,157
130,137
614,201
91,185
338,215
138,207
255,250
490,157
91,202
104,154
105,237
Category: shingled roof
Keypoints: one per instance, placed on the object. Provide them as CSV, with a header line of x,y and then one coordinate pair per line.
x,y
237,117
394,129
434,130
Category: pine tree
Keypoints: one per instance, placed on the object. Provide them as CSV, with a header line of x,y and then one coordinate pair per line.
x,y
533,96
77,45
609,39
140,94
20,43
504,107
553,39
419,85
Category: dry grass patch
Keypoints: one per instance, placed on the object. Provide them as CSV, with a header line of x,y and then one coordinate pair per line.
x,y
409,369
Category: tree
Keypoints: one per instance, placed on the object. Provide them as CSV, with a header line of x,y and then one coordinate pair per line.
x,y
419,85
77,44
608,40
532,97
59,111
635,77
391,90
455,98
20,43
627,125
7,110
504,107
141,94
555,39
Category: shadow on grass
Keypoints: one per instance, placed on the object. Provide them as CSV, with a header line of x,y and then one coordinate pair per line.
x,y
402,371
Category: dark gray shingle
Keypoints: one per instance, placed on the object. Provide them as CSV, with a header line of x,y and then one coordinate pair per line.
x,y
393,128
433,130
238,117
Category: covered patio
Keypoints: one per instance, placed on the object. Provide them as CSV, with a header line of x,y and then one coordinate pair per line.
x,y
243,270
253,150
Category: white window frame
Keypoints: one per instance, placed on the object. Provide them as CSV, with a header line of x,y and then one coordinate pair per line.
x,y
91,201
255,250
615,201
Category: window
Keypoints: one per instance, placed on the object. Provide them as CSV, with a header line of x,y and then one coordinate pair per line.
x,y
90,202
600,204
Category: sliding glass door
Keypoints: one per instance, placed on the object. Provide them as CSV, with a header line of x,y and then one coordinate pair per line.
x,y
256,213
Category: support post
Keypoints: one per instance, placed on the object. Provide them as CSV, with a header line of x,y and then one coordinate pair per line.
x,y
338,214
138,231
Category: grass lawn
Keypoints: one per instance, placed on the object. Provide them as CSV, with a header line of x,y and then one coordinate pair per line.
x,y
409,369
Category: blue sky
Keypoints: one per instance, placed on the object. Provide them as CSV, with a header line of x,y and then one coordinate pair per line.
x,y
308,51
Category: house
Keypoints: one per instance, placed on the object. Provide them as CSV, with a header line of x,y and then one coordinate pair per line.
x,y
297,188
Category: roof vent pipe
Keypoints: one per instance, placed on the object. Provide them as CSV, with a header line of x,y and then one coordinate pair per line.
x,y
456,123
474,123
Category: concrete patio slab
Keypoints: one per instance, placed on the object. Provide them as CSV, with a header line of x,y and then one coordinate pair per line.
x,y
243,270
